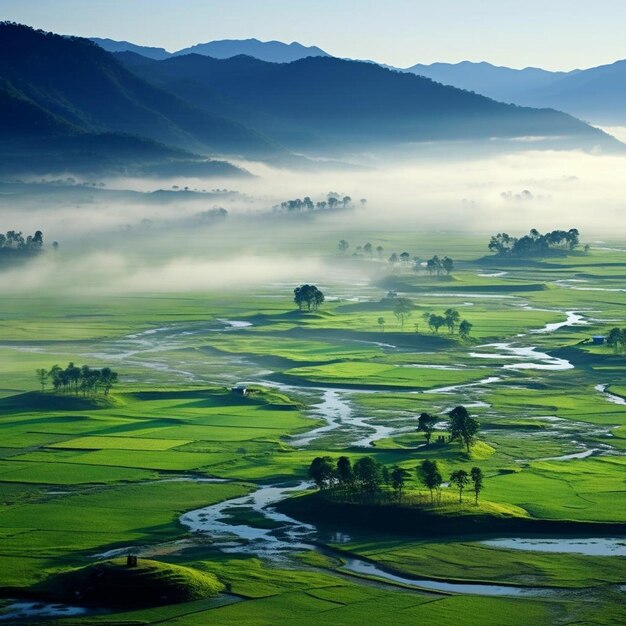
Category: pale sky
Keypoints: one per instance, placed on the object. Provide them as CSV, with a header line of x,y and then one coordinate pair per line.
x,y
554,34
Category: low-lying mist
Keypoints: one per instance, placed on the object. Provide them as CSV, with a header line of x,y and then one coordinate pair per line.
x,y
117,242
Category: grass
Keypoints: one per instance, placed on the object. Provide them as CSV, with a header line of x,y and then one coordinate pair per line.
x,y
80,476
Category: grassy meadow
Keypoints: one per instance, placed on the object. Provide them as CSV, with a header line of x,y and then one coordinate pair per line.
x,y
86,478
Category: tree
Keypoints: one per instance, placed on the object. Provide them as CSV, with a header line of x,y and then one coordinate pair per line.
x,y
309,297
451,318
399,476
343,246
345,475
368,472
463,427
616,339
367,248
381,323
108,378
42,377
465,328
321,471
405,257
402,309
426,424
477,479
380,250
435,322
428,473
461,479
447,264
393,259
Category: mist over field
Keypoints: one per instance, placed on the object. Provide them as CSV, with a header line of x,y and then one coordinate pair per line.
x,y
111,244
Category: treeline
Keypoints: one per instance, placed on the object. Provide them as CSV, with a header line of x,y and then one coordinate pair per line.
x,y
300,205
13,242
535,243
367,249
369,480
74,380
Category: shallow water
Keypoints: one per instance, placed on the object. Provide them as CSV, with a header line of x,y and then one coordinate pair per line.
x,y
597,546
23,609
366,568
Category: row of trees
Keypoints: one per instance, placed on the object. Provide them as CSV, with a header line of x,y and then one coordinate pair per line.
x,y
75,380
333,201
616,339
14,243
430,476
308,297
369,478
535,243
365,250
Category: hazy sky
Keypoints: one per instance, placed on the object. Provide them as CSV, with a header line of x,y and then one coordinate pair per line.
x,y
555,34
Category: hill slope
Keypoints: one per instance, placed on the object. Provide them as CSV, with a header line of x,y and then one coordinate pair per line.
x,y
500,83
324,101
78,82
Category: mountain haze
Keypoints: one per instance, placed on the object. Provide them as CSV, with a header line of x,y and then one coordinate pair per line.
x,y
330,103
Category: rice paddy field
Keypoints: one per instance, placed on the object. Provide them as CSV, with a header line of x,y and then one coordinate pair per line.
x,y
176,466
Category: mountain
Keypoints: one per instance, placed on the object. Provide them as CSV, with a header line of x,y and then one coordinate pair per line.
x,y
111,45
76,81
500,83
597,94
334,104
271,51
35,141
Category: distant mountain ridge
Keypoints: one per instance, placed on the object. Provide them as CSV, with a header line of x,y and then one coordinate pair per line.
x,y
271,51
330,103
500,83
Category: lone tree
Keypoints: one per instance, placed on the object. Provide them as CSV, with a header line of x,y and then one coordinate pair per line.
x,y
322,472
343,246
402,309
616,339
429,475
308,297
381,323
461,479
465,328
399,476
447,264
426,424
477,479
42,377
463,427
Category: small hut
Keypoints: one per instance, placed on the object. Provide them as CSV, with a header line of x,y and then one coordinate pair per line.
x,y
240,390
598,340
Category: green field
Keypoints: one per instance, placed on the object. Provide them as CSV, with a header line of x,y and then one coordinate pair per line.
x,y
83,476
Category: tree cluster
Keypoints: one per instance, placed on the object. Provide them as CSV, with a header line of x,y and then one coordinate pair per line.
x,y
308,297
616,339
75,380
535,243
451,319
462,426
369,479
366,249
438,267
302,205
14,241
